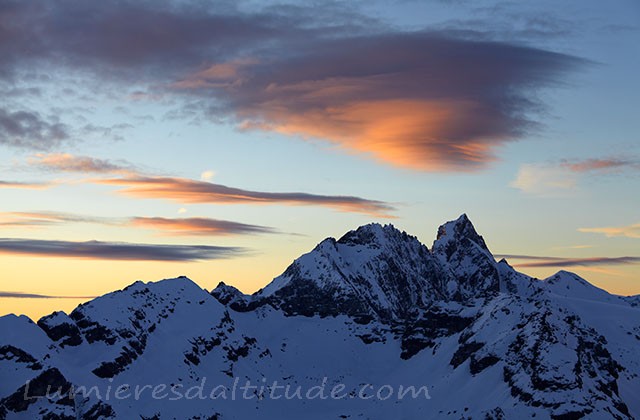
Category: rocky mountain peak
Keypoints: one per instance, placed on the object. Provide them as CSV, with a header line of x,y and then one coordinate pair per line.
x,y
565,283
374,271
465,254
374,235
357,309
458,233
228,295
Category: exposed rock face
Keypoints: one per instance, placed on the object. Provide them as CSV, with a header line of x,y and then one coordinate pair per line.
x,y
459,247
373,307
229,295
61,329
374,272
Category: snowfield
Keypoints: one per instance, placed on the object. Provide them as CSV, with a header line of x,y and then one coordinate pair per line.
x,y
374,325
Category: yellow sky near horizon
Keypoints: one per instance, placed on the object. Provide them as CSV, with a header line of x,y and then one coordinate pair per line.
x,y
224,151
55,279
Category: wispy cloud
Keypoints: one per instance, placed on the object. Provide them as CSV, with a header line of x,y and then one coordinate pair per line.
x,y
552,178
24,185
96,250
185,190
601,165
49,218
23,295
197,226
544,179
439,100
207,175
65,162
193,226
631,231
540,261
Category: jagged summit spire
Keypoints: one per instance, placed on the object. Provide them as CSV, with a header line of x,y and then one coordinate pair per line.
x,y
544,346
457,232
374,271
461,227
372,233
459,247
227,294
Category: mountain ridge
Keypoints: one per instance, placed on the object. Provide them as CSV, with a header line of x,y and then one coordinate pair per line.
x,y
374,306
441,273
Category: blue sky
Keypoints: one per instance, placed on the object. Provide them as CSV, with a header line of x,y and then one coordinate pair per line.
x,y
257,129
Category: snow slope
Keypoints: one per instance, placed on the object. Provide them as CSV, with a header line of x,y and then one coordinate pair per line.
x,y
369,314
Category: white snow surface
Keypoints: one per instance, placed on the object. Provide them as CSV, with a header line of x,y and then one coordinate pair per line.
x,y
485,341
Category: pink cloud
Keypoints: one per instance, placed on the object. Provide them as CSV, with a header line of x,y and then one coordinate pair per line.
x,y
184,190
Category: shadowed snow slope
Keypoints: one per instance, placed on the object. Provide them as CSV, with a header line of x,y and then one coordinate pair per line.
x,y
373,313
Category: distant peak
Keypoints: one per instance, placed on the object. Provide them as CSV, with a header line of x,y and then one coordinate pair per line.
x,y
463,218
15,318
462,225
171,285
564,275
568,284
226,287
227,294
503,261
459,230
567,278
372,233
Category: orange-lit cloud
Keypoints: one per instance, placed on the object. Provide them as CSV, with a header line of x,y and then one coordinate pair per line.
x,y
196,226
190,191
219,75
434,135
123,251
24,185
601,165
439,100
65,162
192,226
631,231
420,100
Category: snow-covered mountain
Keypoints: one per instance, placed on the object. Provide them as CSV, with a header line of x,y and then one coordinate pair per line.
x,y
341,334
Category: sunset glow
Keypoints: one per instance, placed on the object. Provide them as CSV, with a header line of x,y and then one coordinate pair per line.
x,y
144,140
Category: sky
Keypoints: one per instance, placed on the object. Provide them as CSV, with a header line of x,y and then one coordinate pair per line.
x,y
142,140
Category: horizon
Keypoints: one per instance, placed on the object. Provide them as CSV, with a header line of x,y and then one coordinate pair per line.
x,y
232,141
75,301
